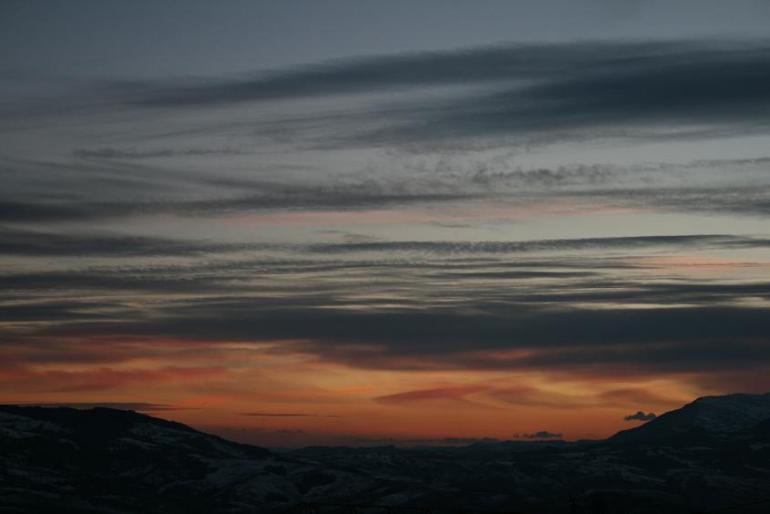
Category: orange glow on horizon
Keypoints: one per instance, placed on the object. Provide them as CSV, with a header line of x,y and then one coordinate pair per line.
x,y
298,400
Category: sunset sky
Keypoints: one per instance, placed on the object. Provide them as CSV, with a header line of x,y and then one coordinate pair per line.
x,y
363,222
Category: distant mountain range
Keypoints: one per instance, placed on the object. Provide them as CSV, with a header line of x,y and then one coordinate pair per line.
x,y
712,455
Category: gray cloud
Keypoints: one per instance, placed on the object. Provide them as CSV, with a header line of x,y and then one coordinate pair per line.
x,y
479,65
541,434
537,88
15,241
532,245
133,153
94,171
65,192
720,86
641,416
663,339
278,197
567,312
730,199
361,75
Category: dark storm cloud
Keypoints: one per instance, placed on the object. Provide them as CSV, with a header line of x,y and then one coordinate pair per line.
x,y
641,416
528,88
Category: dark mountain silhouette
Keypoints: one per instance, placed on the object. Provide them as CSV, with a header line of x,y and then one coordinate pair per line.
x,y
711,455
710,417
106,460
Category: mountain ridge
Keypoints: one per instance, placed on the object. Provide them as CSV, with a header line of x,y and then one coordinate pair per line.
x,y
711,452
705,417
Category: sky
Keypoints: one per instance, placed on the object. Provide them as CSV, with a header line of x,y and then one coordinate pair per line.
x,y
359,222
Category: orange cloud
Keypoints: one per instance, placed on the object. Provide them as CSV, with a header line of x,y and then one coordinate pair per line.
x,y
439,393
100,379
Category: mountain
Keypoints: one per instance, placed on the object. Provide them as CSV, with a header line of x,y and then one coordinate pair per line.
x,y
106,460
712,454
710,417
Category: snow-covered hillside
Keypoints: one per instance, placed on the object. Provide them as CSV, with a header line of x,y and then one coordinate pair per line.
x,y
712,453
727,417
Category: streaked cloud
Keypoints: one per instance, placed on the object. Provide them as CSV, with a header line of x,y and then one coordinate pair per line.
x,y
474,241
136,406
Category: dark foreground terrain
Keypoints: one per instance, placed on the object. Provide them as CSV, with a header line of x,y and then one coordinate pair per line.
x,y
712,455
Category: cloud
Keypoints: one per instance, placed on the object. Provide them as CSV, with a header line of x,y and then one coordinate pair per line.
x,y
478,65
378,73
723,86
729,199
526,246
268,197
480,327
287,415
442,306
541,434
527,89
627,396
16,241
136,406
641,416
65,191
100,379
133,153
439,393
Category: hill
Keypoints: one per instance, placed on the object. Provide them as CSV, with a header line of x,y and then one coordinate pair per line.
x,y
733,416
713,453
107,460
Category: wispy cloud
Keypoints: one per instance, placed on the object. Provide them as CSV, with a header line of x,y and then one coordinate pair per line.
x,y
532,245
136,406
15,241
396,215
534,88
287,415
439,393
134,153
